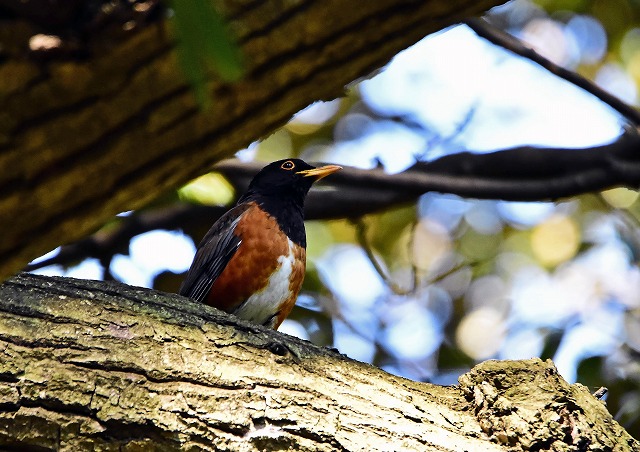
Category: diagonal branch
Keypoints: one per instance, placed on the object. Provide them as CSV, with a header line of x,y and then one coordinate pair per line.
x,y
498,37
363,241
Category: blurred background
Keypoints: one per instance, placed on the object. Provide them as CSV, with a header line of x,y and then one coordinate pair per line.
x,y
428,290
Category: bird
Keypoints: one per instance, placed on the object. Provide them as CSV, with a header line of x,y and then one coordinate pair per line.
x,y
252,261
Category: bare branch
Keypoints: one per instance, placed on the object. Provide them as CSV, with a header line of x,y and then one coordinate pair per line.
x,y
518,174
498,37
105,243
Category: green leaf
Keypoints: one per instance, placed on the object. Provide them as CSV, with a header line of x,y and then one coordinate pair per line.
x,y
204,43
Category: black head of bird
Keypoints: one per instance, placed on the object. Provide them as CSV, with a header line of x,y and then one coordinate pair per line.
x,y
286,180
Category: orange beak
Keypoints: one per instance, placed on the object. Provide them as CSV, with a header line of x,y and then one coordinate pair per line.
x,y
319,173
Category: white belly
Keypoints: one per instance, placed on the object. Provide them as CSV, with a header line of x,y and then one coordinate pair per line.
x,y
262,306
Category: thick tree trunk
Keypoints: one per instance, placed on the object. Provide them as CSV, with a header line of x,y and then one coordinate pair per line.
x,y
84,139
102,366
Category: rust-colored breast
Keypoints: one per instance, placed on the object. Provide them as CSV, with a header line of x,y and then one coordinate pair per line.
x,y
249,270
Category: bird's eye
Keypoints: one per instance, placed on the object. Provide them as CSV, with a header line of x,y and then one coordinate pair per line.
x,y
288,165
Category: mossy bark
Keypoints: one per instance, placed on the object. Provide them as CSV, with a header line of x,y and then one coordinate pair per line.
x,y
103,366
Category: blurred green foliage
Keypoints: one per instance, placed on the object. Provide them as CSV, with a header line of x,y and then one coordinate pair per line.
x,y
204,44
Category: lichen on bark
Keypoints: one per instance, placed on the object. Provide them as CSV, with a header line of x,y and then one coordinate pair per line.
x,y
87,365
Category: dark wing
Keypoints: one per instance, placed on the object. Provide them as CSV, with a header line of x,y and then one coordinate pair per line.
x,y
214,253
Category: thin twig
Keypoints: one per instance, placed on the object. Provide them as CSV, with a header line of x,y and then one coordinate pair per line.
x,y
451,271
498,37
457,131
414,267
363,241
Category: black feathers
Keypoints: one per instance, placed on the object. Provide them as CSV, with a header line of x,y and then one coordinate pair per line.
x,y
214,253
280,189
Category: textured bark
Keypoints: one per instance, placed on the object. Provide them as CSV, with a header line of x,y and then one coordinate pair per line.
x,y
82,139
102,366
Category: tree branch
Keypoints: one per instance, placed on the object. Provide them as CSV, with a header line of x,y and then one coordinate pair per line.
x,y
518,174
498,37
105,243
89,364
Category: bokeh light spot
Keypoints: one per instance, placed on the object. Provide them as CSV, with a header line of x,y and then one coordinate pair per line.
x,y
431,243
415,335
46,256
276,146
618,82
556,240
590,36
620,198
524,214
151,253
522,344
480,334
346,270
547,38
294,328
150,250
318,238
210,189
